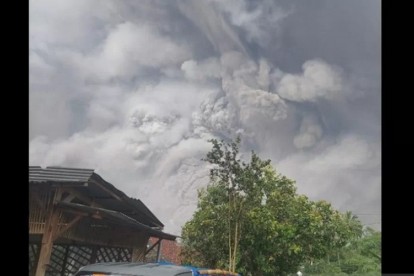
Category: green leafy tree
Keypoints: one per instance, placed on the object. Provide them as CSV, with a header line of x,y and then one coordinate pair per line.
x,y
251,220
360,256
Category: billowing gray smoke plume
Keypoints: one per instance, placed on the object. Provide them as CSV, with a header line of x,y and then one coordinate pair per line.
x,y
134,89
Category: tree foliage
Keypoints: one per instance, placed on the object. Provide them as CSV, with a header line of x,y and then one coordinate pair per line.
x,y
361,256
251,220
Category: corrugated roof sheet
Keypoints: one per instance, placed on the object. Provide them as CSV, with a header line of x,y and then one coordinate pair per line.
x,y
60,174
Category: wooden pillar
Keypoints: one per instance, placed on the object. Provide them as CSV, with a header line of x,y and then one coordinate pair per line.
x,y
159,251
94,254
47,241
49,234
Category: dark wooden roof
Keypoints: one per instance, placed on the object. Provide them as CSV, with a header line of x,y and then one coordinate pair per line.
x,y
95,187
115,217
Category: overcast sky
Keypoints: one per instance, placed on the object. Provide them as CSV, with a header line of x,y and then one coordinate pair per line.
x,y
134,89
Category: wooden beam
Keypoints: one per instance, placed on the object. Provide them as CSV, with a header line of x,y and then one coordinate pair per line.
x,y
67,226
154,245
58,195
73,193
36,198
96,214
107,190
47,241
69,198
